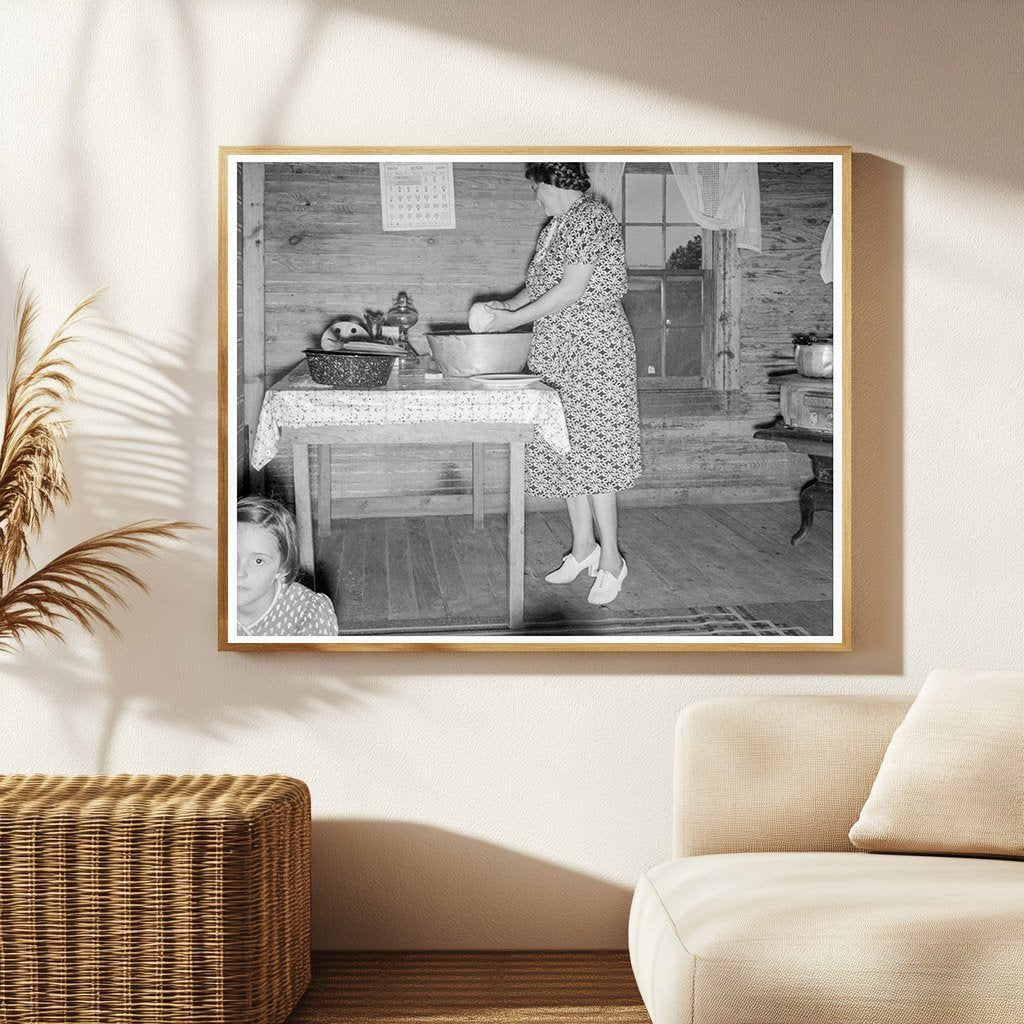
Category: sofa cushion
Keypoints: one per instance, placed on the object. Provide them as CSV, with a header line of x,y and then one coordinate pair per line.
x,y
950,780
777,772
790,938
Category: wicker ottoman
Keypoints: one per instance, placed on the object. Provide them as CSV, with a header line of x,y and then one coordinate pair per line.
x,y
171,899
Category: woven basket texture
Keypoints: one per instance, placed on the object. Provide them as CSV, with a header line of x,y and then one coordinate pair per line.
x,y
137,899
349,369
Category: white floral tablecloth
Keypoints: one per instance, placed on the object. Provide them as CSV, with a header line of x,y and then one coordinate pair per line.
x,y
296,401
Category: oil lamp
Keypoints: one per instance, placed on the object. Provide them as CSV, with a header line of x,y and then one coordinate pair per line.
x,y
403,315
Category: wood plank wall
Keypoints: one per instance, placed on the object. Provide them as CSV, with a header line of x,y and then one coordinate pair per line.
x,y
782,287
327,255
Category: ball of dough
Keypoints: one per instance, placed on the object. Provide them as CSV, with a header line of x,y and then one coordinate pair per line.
x,y
479,317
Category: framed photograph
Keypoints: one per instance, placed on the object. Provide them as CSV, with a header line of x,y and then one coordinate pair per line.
x,y
506,399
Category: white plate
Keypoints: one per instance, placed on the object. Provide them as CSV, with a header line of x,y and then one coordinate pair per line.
x,y
506,380
373,348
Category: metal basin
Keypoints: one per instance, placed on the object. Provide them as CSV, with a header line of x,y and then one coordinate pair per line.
x,y
463,355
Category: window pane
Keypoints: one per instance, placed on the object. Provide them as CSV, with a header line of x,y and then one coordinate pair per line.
x,y
642,304
644,247
683,301
676,240
664,303
648,352
675,207
643,197
682,352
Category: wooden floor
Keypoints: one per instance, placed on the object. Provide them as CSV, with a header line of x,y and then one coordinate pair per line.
x,y
466,988
436,573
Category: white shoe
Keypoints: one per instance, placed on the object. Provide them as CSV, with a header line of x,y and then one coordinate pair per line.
x,y
570,568
607,586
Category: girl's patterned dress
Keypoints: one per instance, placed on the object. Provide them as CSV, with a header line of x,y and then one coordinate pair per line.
x,y
585,351
295,611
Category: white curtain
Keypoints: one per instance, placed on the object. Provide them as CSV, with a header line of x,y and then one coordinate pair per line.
x,y
826,253
606,184
723,195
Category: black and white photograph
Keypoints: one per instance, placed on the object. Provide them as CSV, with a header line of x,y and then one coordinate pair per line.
x,y
503,399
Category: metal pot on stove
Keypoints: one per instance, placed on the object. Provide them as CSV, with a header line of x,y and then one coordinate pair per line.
x,y
814,354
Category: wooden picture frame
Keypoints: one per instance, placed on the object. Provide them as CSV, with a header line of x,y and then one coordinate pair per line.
x,y
306,240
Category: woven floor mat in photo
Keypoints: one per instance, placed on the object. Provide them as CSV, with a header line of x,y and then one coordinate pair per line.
x,y
725,620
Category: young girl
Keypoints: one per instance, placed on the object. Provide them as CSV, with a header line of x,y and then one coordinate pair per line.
x,y
270,602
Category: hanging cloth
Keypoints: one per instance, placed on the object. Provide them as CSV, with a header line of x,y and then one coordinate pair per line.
x,y
723,195
606,184
826,254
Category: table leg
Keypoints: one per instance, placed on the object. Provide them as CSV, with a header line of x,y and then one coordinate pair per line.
x,y
516,533
303,506
323,490
478,486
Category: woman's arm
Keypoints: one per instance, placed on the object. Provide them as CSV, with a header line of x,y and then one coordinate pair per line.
x,y
573,284
520,298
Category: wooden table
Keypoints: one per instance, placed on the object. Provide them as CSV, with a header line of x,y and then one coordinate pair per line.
x,y
298,414
816,494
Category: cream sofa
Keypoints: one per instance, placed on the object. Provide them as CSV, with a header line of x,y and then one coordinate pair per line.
x,y
768,915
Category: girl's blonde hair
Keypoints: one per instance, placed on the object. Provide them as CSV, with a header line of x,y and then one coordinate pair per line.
x,y
273,516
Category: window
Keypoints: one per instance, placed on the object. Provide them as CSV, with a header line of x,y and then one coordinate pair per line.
x,y
668,280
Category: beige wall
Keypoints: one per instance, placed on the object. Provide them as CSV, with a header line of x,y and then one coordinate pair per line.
x,y
480,800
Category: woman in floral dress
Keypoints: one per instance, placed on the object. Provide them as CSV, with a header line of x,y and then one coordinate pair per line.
x,y
583,347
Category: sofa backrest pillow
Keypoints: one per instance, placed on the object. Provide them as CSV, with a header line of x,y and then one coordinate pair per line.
x,y
952,778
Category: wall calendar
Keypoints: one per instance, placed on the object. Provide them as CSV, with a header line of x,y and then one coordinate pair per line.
x,y
417,196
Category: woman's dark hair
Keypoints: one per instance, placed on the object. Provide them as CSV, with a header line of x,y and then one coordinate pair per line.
x,y
572,176
273,516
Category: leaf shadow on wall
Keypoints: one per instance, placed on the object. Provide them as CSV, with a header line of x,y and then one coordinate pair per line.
x,y
146,443
882,76
405,885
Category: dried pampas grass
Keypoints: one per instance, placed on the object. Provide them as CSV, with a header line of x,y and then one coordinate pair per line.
x,y
84,582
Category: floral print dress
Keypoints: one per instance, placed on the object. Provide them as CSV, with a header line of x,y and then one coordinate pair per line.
x,y
295,611
585,351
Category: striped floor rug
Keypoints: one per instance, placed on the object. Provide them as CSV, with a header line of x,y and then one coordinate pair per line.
x,y
726,620
719,620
